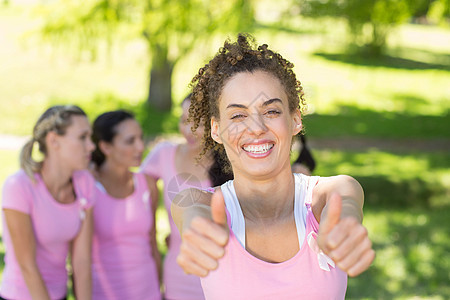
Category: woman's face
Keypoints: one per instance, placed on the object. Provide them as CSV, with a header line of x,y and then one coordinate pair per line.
x,y
127,145
192,139
75,146
255,126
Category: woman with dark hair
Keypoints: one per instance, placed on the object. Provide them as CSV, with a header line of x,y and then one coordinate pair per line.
x,y
125,256
305,162
176,165
47,210
268,233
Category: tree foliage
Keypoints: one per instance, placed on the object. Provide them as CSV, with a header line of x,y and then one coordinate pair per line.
x,y
369,21
170,28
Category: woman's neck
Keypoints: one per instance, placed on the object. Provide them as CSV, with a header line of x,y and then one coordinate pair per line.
x,y
186,162
117,180
58,181
266,199
113,174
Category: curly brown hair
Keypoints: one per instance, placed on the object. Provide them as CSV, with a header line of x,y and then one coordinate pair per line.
x,y
233,58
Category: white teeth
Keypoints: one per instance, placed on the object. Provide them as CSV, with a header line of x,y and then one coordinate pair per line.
x,y
258,149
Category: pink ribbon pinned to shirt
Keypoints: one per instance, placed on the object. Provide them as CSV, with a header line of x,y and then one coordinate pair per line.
x,y
146,199
322,258
83,203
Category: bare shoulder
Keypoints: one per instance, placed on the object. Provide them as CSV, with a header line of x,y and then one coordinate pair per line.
x,y
150,180
339,183
345,185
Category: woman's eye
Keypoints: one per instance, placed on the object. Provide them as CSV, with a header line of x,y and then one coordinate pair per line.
x,y
273,112
237,116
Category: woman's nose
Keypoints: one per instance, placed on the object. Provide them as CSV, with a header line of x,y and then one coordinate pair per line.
x,y
255,124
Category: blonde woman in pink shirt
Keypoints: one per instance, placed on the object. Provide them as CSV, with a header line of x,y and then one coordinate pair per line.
x,y
175,164
269,233
47,210
125,256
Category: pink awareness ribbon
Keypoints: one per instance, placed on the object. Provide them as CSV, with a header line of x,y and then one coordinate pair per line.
x,y
322,258
83,203
146,199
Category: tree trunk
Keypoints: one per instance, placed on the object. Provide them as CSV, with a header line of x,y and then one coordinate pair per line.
x,y
160,89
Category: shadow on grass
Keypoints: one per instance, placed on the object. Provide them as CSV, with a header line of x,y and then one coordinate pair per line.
x,y
411,261
392,179
380,191
388,61
356,122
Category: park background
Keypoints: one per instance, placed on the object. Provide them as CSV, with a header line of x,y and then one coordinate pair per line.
x,y
376,75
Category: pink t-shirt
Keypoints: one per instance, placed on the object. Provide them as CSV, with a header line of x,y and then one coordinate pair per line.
x,y
55,225
160,164
123,265
307,275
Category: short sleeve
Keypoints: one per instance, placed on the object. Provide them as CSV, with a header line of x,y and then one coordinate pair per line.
x,y
84,185
17,193
153,164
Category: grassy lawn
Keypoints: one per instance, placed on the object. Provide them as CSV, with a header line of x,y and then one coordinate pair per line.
x,y
406,212
403,95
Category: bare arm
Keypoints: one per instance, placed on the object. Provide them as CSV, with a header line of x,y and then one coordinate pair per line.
x,y
154,195
21,231
348,188
337,205
81,258
202,222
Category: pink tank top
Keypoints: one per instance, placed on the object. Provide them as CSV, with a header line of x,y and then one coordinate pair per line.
x,y
160,164
55,225
307,275
123,265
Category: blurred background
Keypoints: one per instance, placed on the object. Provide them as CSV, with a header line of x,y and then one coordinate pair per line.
x,y
376,75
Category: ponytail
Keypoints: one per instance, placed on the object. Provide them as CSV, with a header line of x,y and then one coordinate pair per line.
x,y
97,157
305,157
27,163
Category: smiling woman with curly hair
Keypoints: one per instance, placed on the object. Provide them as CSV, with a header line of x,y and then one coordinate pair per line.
x,y
269,233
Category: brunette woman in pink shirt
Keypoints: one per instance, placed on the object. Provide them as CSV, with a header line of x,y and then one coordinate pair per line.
x,y
47,210
125,256
175,164
269,233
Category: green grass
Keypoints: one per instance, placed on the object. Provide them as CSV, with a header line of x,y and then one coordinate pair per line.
x,y
393,179
412,261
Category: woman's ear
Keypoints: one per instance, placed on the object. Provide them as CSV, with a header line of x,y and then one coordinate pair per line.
x,y
215,130
105,147
51,140
297,122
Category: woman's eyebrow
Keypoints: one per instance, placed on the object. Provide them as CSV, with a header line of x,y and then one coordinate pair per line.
x,y
267,102
236,105
270,101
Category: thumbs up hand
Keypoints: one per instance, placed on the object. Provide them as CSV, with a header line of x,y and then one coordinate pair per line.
x,y
204,239
344,240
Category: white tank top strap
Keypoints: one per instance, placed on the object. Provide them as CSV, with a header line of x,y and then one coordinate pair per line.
x,y
312,181
300,210
303,196
235,211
